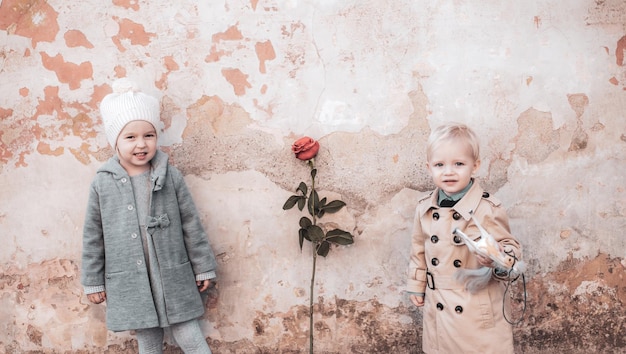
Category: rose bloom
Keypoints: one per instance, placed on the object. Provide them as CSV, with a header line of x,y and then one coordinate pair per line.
x,y
305,148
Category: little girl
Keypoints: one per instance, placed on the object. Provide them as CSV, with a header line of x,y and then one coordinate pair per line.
x,y
459,316
145,251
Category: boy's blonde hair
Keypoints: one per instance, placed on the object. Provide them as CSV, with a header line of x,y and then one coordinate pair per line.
x,y
453,131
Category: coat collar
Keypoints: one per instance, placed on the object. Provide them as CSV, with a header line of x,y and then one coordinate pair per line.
x,y
157,172
465,206
159,169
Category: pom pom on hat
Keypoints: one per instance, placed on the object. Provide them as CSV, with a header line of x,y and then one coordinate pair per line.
x,y
127,104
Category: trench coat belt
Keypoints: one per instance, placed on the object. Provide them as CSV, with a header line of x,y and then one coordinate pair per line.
x,y
441,282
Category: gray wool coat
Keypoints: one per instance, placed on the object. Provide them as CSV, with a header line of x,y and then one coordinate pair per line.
x,y
113,254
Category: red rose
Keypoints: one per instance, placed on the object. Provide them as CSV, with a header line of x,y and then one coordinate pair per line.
x,y
305,148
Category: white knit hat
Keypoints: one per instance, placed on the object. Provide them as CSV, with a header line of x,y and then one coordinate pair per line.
x,y
127,104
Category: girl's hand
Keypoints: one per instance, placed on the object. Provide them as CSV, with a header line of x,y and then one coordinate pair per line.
x,y
417,300
97,298
203,285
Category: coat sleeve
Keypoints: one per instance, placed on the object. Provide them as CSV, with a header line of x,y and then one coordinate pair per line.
x,y
416,282
195,238
497,224
92,266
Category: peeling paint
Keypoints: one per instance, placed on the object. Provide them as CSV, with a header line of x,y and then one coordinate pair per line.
x,y
585,313
365,323
76,38
127,4
579,102
132,32
265,52
620,49
32,19
239,81
231,34
68,73
536,138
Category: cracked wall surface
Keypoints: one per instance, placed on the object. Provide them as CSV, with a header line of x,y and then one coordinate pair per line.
x,y
542,82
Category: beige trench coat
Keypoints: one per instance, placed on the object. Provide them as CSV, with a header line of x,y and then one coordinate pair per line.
x,y
456,321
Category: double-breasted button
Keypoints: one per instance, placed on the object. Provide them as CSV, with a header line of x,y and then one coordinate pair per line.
x,y
434,261
485,195
458,309
436,216
123,180
439,306
456,216
139,262
133,235
456,239
457,263
130,207
434,239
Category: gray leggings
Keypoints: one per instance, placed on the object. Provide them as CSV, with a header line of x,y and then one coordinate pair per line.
x,y
188,335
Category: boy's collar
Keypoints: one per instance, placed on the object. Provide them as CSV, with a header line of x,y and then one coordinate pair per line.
x,y
465,206
455,197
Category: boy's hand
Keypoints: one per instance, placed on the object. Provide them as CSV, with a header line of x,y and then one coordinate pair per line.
x,y
203,285
485,261
417,300
97,298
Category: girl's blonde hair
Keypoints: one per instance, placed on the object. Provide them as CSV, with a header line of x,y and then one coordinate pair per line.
x,y
453,131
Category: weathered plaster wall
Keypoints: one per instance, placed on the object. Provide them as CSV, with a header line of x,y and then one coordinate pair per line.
x,y
543,83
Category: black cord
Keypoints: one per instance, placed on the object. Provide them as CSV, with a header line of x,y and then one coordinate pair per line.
x,y
508,285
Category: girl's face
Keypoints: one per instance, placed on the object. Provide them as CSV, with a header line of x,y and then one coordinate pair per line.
x,y
136,146
452,165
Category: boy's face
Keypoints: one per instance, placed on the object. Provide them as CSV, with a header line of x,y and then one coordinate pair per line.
x,y
452,165
136,146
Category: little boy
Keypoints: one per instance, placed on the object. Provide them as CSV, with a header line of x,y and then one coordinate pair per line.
x,y
458,318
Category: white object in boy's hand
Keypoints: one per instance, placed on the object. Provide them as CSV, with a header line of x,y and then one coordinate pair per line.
x,y
487,246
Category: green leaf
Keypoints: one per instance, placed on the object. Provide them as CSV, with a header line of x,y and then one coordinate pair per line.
x,y
291,202
313,173
305,222
323,248
302,234
301,203
315,233
333,206
339,237
319,208
305,234
302,188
